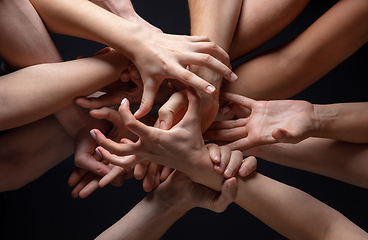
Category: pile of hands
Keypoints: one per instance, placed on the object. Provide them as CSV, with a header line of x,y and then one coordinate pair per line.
x,y
150,148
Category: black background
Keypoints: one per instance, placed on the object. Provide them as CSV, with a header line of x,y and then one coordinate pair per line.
x,y
44,208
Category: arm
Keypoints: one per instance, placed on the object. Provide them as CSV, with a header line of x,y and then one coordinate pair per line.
x,y
339,160
58,83
157,56
258,194
43,144
217,20
288,121
157,212
292,67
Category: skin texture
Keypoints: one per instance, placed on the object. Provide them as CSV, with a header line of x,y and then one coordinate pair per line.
x,y
257,193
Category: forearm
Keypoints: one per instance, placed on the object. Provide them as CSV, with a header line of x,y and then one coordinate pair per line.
x,y
343,121
149,219
24,34
217,20
339,160
294,66
54,86
291,212
29,151
90,21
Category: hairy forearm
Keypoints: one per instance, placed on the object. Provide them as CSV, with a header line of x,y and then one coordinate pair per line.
x,y
54,86
289,69
149,220
343,121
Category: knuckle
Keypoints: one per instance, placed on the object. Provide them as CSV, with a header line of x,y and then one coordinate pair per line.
x,y
187,76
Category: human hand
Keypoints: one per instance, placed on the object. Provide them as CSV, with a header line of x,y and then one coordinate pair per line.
x,y
262,122
180,148
164,56
181,192
230,162
117,91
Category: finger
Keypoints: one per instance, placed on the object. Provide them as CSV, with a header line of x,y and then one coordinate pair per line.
x,y
194,105
213,49
125,76
92,164
148,98
215,152
235,162
103,51
248,166
235,109
113,174
166,171
189,78
124,162
173,110
140,171
149,179
228,194
210,62
241,144
90,187
231,134
243,101
111,146
76,176
225,159
135,76
108,114
228,124
88,177
132,123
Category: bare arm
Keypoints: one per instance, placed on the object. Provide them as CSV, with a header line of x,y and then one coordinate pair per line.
x,y
288,69
339,160
285,209
54,86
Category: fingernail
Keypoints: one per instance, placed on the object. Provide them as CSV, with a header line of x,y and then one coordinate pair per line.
x,y
123,101
233,76
216,158
210,89
229,172
225,109
162,124
98,152
93,134
243,171
222,167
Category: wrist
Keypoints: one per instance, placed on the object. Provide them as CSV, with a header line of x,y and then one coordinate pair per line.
x,y
324,118
164,206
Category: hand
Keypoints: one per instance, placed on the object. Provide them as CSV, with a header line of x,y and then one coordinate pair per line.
x,y
262,122
180,148
230,162
117,91
180,191
164,56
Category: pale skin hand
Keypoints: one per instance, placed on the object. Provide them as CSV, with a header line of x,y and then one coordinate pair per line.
x,y
263,122
170,201
166,56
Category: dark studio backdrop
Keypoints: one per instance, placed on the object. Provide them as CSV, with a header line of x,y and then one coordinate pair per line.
x,y
44,208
